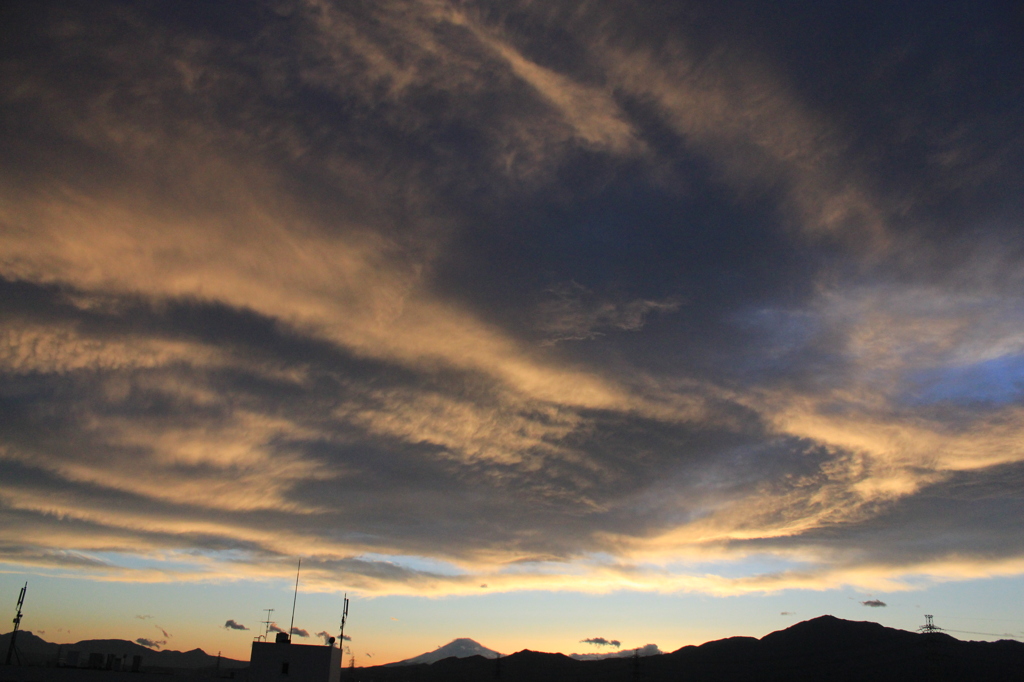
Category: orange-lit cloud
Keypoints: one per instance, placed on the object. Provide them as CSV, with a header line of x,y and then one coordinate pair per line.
x,y
437,301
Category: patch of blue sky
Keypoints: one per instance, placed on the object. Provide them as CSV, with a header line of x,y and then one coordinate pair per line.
x,y
169,562
544,567
416,563
48,572
733,568
231,555
998,380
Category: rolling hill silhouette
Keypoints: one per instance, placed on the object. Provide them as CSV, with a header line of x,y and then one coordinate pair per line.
x,y
824,648
35,650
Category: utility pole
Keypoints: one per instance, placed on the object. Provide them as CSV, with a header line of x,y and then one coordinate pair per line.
x,y
11,649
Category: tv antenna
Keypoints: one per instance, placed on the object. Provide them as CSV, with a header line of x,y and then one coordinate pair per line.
x,y
11,649
344,616
929,627
267,622
294,599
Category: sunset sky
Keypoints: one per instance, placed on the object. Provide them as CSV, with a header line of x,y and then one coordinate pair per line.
x,y
528,321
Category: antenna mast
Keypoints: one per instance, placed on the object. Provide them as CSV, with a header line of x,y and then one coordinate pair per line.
x,y
267,622
294,599
11,650
341,637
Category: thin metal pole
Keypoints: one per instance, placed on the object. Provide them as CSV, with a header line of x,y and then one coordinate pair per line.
x,y
294,599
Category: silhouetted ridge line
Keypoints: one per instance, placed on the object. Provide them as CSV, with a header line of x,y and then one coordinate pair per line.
x,y
825,648
36,651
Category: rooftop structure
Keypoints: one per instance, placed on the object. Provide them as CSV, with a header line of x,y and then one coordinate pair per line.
x,y
282,661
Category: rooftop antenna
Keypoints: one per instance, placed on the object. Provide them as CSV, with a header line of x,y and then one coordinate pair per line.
x,y
11,650
267,622
341,637
294,599
929,627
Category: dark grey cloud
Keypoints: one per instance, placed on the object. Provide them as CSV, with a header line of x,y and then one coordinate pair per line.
x,y
399,464
299,632
874,603
572,315
475,279
601,641
150,643
327,636
646,650
232,624
964,515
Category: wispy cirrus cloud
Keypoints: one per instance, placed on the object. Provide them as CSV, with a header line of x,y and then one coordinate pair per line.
x,y
269,283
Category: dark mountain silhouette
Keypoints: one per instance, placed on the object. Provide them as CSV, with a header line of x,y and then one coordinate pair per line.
x,y
824,648
34,650
457,648
648,650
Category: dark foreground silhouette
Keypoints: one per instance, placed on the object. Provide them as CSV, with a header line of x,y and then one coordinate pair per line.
x,y
34,651
824,648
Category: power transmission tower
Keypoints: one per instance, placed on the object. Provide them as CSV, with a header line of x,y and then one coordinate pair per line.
x,y
11,648
929,627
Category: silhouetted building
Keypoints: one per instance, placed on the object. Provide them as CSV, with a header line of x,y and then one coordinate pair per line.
x,y
281,660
